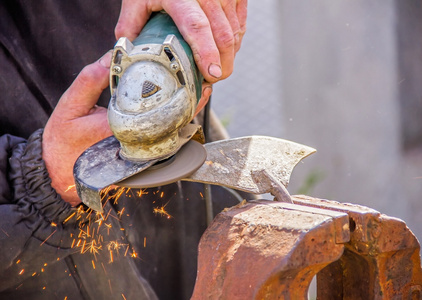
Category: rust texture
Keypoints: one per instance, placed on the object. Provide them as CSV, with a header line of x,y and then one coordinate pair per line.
x,y
267,250
381,261
272,250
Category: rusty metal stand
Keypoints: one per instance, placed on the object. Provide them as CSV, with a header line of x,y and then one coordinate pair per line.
x,y
272,250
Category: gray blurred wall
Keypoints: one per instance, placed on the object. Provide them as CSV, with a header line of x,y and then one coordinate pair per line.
x,y
344,77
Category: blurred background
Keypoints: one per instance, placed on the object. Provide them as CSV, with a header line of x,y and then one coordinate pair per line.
x,y
344,77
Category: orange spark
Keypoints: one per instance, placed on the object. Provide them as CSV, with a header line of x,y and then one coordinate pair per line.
x,y
69,188
48,237
33,274
18,261
93,264
201,194
162,211
119,213
134,254
53,224
142,192
145,242
83,247
124,297
69,217
21,272
162,194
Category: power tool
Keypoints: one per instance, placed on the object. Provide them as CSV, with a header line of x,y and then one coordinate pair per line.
x,y
155,87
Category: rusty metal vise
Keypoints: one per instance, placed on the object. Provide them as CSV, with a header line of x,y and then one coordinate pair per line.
x,y
272,250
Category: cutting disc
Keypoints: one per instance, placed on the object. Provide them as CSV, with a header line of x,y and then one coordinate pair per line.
x,y
185,162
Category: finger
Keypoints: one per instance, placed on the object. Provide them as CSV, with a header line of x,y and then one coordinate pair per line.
x,y
230,9
242,12
206,93
85,90
195,28
133,16
223,31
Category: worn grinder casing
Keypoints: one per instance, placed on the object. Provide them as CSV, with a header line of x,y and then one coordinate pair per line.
x,y
155,87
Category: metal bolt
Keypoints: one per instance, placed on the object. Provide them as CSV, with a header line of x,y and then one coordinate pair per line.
x,y
174,66
117,69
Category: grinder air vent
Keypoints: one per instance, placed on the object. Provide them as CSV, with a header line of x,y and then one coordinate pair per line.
x,y
149,89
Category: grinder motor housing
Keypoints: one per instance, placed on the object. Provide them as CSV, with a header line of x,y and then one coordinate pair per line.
x,y
155,87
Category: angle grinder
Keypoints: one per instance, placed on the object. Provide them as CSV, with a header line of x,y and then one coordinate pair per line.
x,y
155,87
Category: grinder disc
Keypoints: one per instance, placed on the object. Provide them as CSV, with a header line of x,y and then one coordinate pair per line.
x,y
185,162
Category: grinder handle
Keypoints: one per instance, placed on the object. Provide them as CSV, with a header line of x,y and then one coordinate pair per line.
x,y
156,30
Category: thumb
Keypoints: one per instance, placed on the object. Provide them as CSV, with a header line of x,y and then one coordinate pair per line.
x,y
85,90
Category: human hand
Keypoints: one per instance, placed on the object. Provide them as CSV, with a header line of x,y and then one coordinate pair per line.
x,y
76,124
213,28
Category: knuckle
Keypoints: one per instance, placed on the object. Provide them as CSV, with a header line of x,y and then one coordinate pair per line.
x,y
225,39
196,22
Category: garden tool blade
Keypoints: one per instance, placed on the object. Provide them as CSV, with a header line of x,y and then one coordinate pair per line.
x,y
237,163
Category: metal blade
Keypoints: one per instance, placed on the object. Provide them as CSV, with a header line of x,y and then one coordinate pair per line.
x,y
235,163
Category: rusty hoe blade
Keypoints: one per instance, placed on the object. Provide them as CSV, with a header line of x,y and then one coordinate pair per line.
x,y
255,164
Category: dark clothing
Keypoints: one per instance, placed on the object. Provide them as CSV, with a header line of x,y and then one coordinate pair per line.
x,y
50,250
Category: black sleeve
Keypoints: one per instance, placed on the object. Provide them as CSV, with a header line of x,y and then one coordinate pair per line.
x,y
32,233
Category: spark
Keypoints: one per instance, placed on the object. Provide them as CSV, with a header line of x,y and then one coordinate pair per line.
x,y
93,264
5,232
18,261
134,254
162,194
102,265
142,192
48,237
69,217
21,272
119,213
92,248
124,297
201,194
145,242
83,247
162,211
53,224
69,188
33,274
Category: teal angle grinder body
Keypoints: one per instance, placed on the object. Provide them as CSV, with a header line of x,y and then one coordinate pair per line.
x,y
155,88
